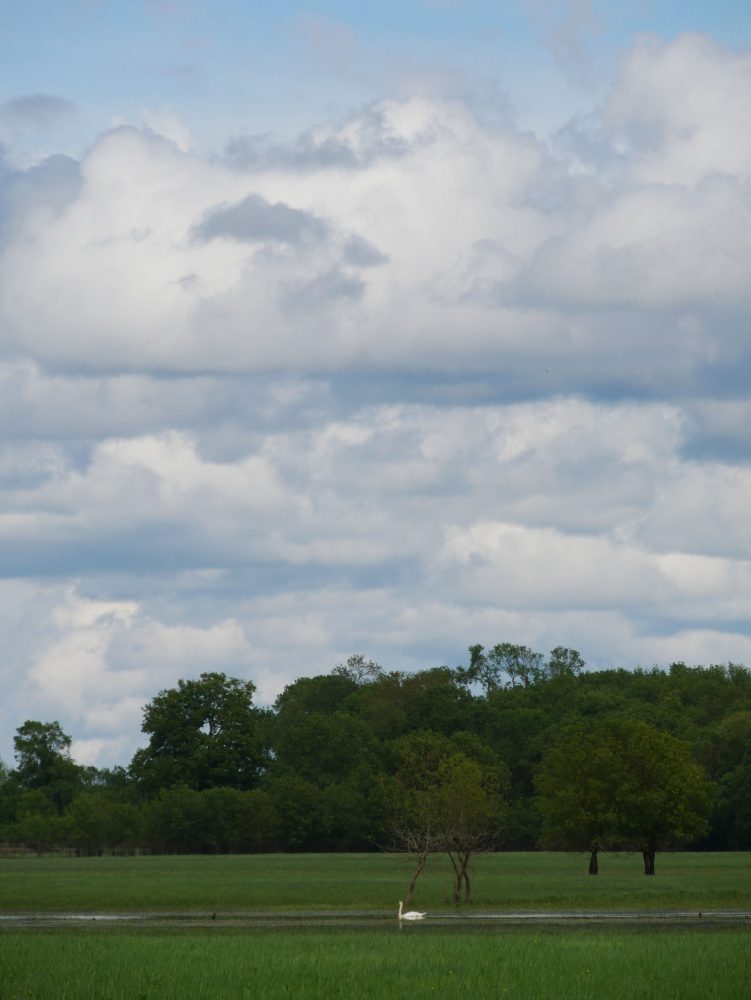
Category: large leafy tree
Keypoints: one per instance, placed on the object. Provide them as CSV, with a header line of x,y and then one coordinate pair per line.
x,y
504,664
204,733
622,783
581,784
324,694
668,797
44,764
324,748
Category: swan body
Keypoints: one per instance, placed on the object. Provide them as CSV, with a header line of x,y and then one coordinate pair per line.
x,y
410,914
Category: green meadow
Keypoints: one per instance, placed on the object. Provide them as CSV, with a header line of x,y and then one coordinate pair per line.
x,y
278,882
96,960
414,963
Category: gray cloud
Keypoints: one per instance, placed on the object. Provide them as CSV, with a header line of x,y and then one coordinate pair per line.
x,y
36,109
53,183
329,287
256,220
362,253
363,140
306,152
717,429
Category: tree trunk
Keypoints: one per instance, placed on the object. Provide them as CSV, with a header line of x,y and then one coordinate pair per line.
x,y
457,878
460,862
593,866
467,888
649,860
464,874
422,860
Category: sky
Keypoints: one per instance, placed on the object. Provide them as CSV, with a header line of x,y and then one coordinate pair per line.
x,y
333,328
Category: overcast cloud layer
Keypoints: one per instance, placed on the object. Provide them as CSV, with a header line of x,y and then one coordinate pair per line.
x,y
411,377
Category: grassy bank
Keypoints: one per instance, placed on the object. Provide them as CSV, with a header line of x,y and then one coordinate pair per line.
x,y
368,881
584,965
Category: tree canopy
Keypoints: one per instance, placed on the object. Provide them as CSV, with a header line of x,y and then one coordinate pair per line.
x,y
510,749
204,733
622,783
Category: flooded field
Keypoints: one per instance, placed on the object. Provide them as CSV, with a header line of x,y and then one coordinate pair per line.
x,y
379,920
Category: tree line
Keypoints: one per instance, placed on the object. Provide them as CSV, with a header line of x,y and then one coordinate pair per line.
x,y
513,750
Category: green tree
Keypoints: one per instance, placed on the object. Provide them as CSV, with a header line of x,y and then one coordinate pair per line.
x,y
39,825
581,784
447,794
358,669
436,700
236,822
668,797
325,751
305,817
734,806
506,663
413,800
470,815
127,825
564,662
91,823
622,783
323,694
43,762
9,792
323,748
204,733
175,821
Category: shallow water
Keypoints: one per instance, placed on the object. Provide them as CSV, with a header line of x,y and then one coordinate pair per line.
x,y
375,919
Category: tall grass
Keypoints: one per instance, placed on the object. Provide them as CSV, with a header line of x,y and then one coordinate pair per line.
x,y
416,962
533,881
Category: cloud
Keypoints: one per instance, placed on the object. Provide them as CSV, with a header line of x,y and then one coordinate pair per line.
x,y
410,380
679,110
268,262
361,253
256,220
369,136
96,663
379,493
559,571
166,123
654,247
46,189
570,29
177,302
37,110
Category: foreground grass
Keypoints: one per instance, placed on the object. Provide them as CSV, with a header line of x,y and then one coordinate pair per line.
x,y
529,881
415,963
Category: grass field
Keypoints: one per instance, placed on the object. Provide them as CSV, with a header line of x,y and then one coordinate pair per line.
x,y
101,961
414,963
528,881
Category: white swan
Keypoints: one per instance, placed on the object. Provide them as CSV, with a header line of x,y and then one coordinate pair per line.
x,y
410,914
